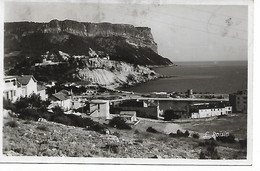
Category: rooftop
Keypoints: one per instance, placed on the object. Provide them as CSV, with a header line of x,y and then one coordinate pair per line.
x,y
24,79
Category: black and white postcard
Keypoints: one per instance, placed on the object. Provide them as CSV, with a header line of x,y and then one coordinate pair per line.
x,y
149,82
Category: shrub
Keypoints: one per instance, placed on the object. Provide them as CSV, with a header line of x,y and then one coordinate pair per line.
x,y
226,139
29,114
136,131
98,128
57,110
113,148
196,135
8,105
179,133
119,123
63,119
202,155
43,128
12,124
173,135
211,151
152,130
33,101
186,134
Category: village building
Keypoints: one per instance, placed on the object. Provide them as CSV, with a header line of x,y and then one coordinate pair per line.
x,y
238,101
130,116
99,109
207,110
22,86
62,99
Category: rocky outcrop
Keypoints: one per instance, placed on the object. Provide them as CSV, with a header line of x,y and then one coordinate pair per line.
x,y
121,42
115,74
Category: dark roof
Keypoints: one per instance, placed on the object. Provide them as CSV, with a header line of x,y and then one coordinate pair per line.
x,y
62,95
24,79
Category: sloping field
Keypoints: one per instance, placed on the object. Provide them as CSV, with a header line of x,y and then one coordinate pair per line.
x,y
29,138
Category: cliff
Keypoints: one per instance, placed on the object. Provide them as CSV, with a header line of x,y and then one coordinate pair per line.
x,y
122,42
115,74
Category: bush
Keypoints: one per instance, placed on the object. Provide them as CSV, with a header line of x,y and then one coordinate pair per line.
x,y
179,133
196,135
8,105
202,155
173,135
226,139
63,119
119,123
43,128
113,148
186,134
33,101
29,114
57,110
98,128
136,131
12,124
211,151
152,130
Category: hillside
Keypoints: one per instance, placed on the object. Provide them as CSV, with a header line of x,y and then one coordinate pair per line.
x,y
122,42
30,138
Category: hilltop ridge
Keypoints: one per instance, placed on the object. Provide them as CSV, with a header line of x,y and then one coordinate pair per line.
x,y
122,42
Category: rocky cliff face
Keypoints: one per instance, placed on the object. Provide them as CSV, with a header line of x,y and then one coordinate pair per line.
x,y
115,74
140,36
26,42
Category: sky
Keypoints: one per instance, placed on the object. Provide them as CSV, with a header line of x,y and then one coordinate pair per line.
x,y
182,32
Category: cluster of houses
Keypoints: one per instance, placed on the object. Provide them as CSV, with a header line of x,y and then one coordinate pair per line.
x,y
22,86
25,85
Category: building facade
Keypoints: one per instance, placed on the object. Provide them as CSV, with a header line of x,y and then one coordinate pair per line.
x,y
205,112
22,86
238,101
99,108
62,99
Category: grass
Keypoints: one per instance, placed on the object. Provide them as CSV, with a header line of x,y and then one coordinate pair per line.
x,y
235,124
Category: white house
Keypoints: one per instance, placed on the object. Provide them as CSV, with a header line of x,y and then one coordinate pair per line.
x,y
62,99
204,112
128,115
99,108
22,86
28,84
12,89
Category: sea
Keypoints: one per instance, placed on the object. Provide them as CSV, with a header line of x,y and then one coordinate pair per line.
x,y
206,77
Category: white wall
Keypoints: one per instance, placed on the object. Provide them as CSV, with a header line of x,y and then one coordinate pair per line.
x,y
203,113
100,109
31,87
42,93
